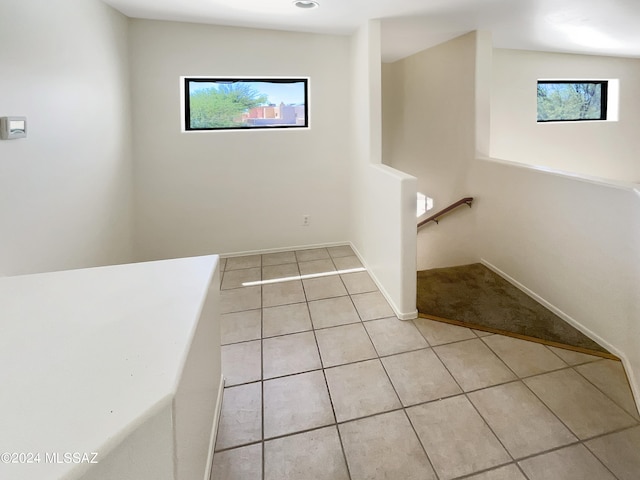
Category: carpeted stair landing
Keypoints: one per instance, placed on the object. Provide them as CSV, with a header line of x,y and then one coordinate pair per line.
x,y
474,296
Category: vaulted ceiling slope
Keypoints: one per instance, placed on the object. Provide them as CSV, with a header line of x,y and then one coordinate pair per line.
x,y
408,26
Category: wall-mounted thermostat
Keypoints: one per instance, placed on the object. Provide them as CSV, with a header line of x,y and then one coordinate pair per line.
x,y
13,127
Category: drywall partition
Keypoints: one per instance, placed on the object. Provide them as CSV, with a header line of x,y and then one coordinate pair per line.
x,y
602,149
237,191
633,355
383,225
570,242
429,132
66,188
387,237
133,379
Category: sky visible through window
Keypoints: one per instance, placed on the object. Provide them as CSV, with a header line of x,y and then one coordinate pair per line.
x,y
288,93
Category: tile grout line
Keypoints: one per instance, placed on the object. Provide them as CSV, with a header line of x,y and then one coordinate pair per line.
x,y
579,441
465,394
499,358
605,393
402,407
486,422
428,347
584,443
427,402
548,408
521,470
467,476
520,379
561,447
326,385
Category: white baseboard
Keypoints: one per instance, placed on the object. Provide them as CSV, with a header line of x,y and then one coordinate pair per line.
x,y
282,249
635,387
567,318
398,313
214,429
406,316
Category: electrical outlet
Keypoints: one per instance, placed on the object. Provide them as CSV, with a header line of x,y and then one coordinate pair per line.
x,y
306,220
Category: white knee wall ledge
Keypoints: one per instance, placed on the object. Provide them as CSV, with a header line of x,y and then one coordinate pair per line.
x,y
110,372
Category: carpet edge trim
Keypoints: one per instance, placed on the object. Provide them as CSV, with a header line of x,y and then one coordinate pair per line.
x,y
519,336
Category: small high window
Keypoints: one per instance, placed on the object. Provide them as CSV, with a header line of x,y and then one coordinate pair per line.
x,y
572,100
245,103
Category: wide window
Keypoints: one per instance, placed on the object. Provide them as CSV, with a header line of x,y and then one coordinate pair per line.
x,y
568,100
245,103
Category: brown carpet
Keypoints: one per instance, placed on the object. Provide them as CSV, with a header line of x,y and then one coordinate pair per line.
x,y
476,296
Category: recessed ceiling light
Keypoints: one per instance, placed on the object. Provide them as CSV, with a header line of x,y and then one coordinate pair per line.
x,y
306,4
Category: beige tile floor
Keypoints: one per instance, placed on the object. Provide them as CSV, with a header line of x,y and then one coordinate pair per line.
x,y
323,382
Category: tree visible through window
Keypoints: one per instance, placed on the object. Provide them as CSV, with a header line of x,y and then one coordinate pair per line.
x,y
571,100
233,103
221,107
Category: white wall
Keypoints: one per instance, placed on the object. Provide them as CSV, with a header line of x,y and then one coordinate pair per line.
x,y
601,149
227,192
383,215
198,399
429,132
65,200
575,244
572,243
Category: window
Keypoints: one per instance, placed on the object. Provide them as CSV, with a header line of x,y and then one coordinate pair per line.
x,y
424,204
570,100
245,103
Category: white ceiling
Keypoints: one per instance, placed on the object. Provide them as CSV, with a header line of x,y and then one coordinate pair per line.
x,y
408,26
